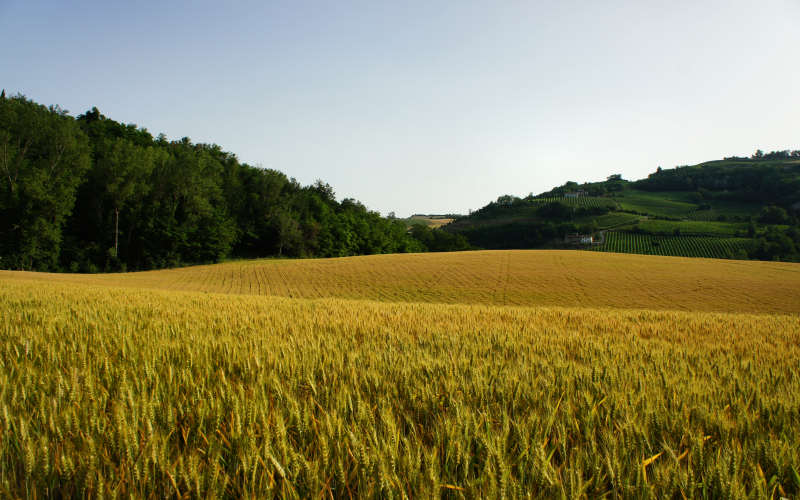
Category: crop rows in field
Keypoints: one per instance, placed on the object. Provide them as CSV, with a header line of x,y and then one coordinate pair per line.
x,y
697,228
656,204
679,246
615,219
705,215
580,201
730,209
129,393
505,277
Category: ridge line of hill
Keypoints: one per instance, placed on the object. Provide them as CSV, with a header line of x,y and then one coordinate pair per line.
x,y
736,208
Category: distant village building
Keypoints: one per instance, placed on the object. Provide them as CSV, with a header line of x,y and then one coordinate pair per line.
x,y
575,194
579,239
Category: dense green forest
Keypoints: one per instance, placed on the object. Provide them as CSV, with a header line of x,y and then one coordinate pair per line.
x,y
91,194
732,208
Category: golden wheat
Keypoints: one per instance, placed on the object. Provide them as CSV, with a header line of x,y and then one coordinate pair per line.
x,y
515,277
111,391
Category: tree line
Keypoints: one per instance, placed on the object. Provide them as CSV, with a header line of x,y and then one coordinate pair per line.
x,y
91,194
767,179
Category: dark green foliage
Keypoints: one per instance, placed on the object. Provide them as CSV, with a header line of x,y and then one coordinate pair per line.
x,y
507,207
778,244
555,210
531,222
517,234
437,240
43,158
773,215
91,194
770,180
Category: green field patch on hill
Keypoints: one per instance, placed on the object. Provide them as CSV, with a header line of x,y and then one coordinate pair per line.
x,y
667,227
728,210
615,219
672,204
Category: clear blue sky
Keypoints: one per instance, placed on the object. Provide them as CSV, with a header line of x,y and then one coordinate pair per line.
x,y
425,106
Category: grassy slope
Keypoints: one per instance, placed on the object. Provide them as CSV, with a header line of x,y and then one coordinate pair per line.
x,y
728,209
513,277
666,204
681,204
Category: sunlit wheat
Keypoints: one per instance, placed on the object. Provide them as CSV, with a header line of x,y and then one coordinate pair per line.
x,y
130,392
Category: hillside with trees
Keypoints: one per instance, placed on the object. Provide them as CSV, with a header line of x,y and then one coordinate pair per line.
x,y
91,194
744,208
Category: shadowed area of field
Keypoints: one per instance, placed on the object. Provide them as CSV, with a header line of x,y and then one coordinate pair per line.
x,y
512,277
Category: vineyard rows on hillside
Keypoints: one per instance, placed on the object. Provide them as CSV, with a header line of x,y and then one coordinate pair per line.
x,y
580,201
680,246
655,205
615,219
695,228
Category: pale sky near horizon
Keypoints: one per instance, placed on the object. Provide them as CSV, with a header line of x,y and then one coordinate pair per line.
x,y
425,107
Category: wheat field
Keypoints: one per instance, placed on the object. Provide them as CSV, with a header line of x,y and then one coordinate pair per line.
x,y
510,277
403,377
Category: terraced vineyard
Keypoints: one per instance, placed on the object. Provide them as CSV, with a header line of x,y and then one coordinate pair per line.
x,y
580,201
681,246
615,219
695,228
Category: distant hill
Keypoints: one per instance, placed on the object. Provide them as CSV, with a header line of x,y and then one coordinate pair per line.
x,y
744,208
430,220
